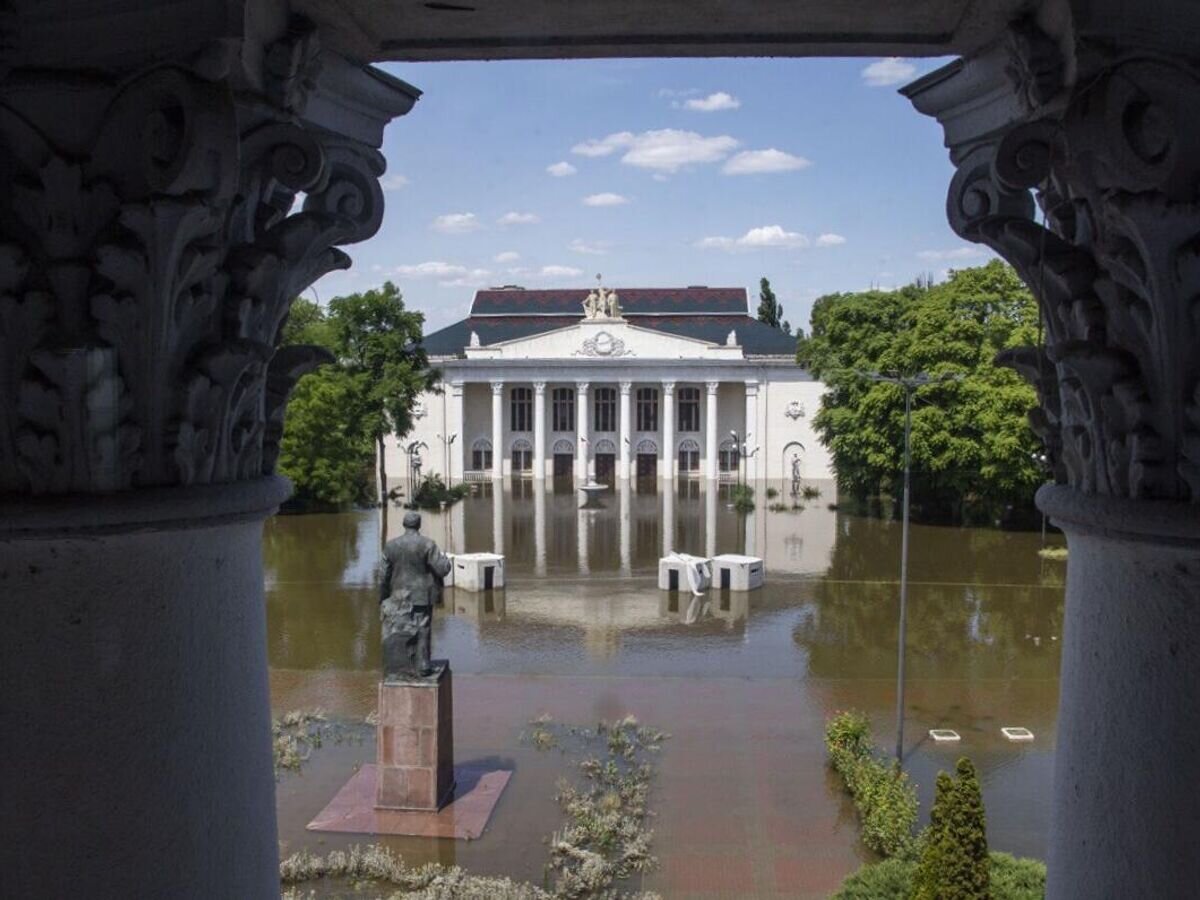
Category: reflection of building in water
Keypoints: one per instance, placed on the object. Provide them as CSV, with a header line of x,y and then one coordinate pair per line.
x,y
537,386
679,606
478,606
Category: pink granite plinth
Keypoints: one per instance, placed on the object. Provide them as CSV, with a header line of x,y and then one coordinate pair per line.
x,y
465,816
415,743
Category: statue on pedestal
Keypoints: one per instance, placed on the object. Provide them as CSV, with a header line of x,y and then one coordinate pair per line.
x,y
413,573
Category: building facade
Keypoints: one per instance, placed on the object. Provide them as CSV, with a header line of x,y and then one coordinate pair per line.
x,y
644,384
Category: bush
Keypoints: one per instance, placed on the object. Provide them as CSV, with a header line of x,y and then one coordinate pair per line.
x,y
885,799
743,498
1012,879
772,493
432,493
809,492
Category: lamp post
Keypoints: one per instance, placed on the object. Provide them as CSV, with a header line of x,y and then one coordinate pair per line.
x,y
911,384
447,442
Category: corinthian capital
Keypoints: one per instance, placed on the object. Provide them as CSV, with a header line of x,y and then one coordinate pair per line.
x,y
149,256
1112,161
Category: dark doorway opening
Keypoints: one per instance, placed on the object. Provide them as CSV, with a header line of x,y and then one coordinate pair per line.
x,y
606,468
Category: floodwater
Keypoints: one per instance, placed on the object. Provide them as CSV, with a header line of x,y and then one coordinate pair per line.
x,y
743,682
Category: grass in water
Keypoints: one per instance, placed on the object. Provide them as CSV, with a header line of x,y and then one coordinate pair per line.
x,y
296,734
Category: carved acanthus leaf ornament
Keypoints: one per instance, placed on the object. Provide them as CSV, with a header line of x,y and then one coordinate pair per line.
x,y
1114,163
148,264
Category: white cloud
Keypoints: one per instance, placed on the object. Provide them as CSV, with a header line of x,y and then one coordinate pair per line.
x,y
561,169
889,71
393,182
506,257
829,239
605,199
552,271
433,269
662,150
956,253
518,218
713,102
756,238
472,278
755,162
596,248
456,223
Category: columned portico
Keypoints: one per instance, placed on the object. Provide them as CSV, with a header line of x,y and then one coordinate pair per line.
x,y
710,437
1096,119
497,430
750,435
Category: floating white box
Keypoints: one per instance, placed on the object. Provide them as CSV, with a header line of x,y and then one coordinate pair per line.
x,y
677,563
1017,734
944,735
745,573
478,571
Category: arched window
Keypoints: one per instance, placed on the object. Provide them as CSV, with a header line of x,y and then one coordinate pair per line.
x,y
522,455
689,456
727,457
481,455
562,445
604,445
647,446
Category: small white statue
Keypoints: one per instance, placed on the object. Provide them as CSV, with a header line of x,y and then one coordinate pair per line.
x,y
591,306
475,339
613,309
731,341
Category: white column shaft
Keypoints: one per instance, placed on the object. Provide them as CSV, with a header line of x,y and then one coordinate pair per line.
x,y
581,431
497,430
710,434
668,430
452,457
539,429
625,438
751,438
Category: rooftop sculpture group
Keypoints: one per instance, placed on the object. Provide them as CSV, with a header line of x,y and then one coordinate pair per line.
x,y
602,304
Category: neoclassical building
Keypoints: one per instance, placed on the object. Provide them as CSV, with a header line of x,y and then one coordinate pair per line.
x,y
640,383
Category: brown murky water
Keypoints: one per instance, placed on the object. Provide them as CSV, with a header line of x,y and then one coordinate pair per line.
x,y
742,681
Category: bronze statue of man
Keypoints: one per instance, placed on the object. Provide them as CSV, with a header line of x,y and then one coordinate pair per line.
x,y
413,569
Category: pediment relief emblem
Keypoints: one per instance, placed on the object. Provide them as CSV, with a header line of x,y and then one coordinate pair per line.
x,y
794,410
604,345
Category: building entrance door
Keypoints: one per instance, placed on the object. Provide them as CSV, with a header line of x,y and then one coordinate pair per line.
x,y
647,466
564,465
606,468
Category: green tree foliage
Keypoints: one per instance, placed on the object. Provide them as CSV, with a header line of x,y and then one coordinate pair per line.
x,y
338,416
770,310
378,341
954,854
1012,879
973,453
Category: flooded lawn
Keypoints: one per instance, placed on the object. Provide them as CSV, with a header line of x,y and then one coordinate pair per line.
x,y
743,682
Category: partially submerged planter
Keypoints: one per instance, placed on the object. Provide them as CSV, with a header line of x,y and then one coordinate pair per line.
x,y
476,571
734,572
944,735
1017,734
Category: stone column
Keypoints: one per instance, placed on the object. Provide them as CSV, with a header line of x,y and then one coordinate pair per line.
x,y
750,432
539,528
668,519
710,519
497,430
626,539
1102,132
582,522
498,500
455,437
710,432
625,438
668,430
539,430
581,433
149,256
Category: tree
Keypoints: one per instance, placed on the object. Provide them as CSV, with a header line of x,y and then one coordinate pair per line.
x,y
378,342
770,310
973,453
954,855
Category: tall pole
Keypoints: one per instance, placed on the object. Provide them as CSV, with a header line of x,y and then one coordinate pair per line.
x,y
908,392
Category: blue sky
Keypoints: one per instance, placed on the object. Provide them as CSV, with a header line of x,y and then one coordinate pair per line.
x,y
658,173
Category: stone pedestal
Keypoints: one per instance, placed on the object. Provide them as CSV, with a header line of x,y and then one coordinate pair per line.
x,y
415,738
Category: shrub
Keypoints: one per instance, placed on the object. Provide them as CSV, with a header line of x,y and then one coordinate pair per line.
x,y
891,879
743,498
883,796
432,493
777,507
809,492
772,493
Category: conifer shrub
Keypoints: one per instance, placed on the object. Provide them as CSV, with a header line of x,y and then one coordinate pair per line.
x,y
894,879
